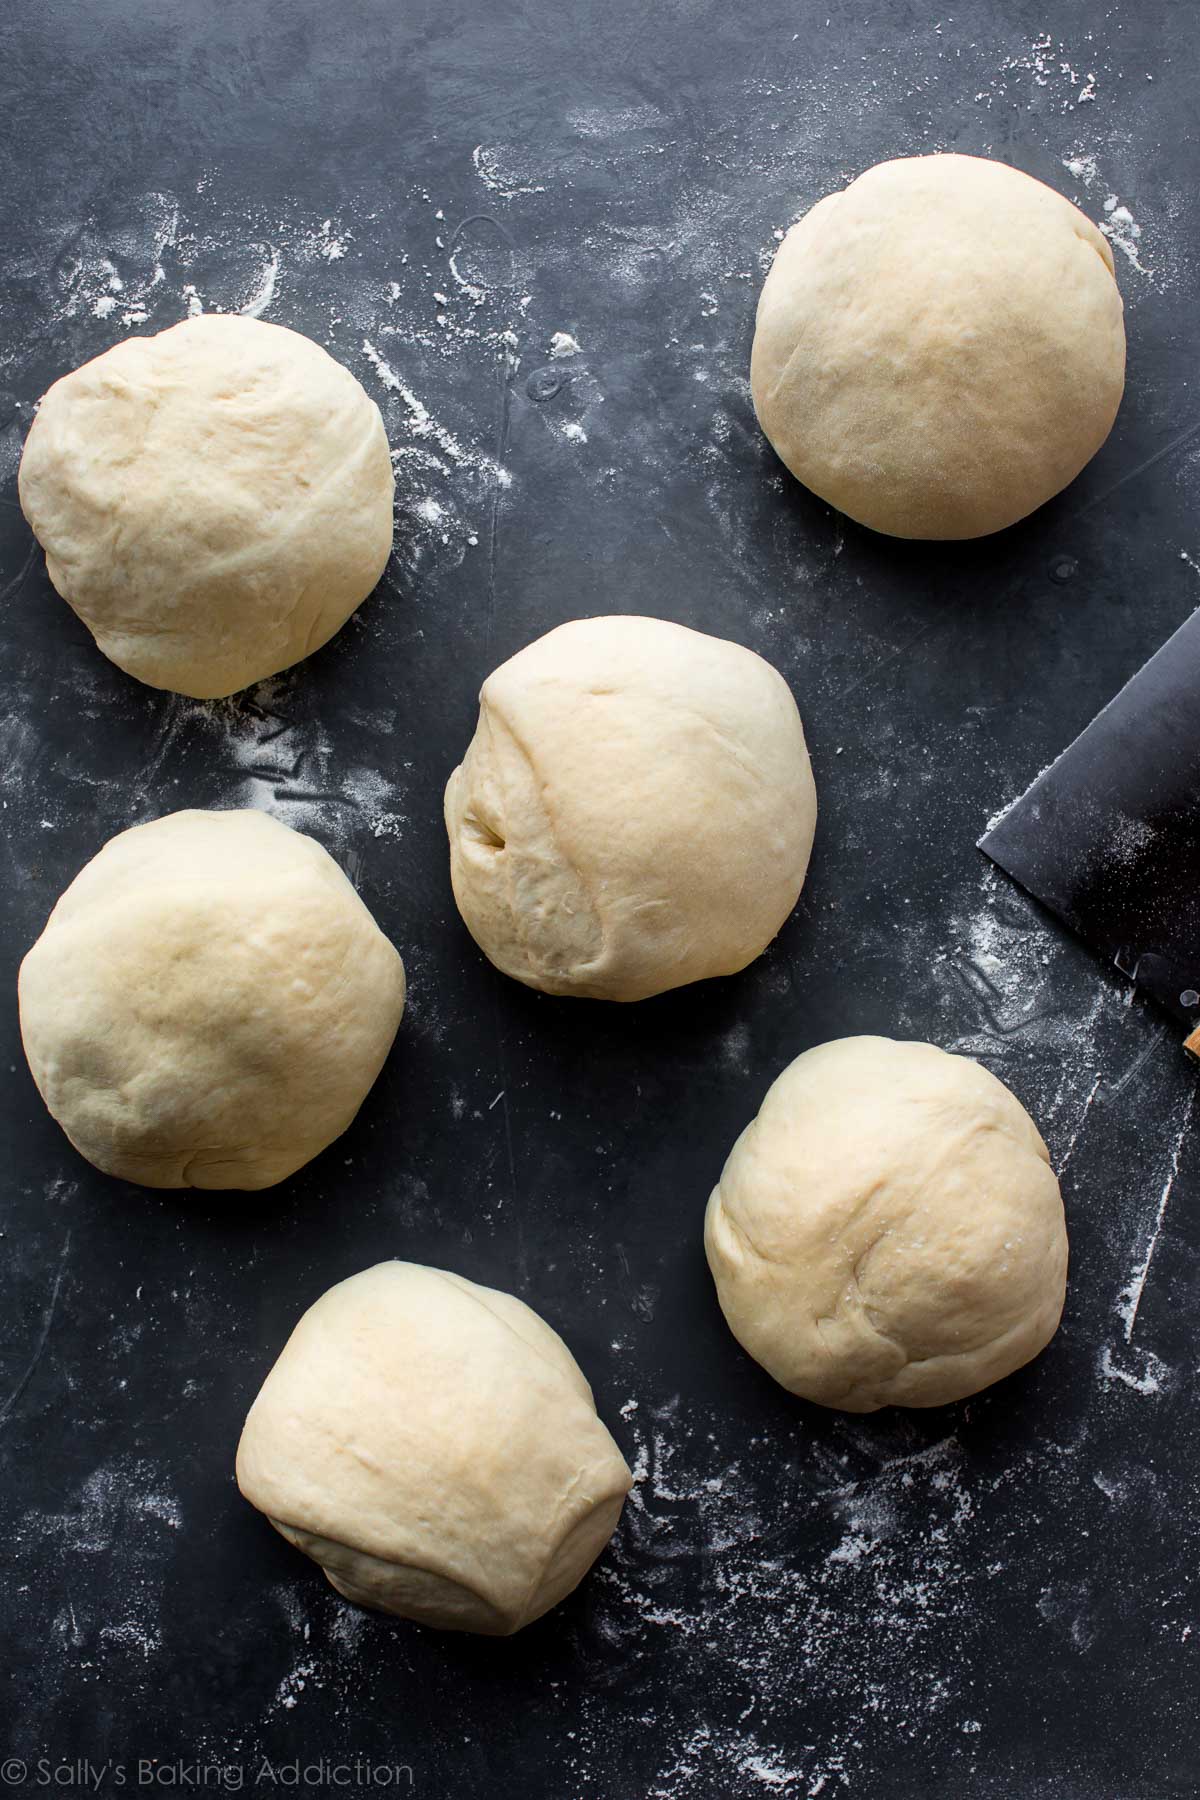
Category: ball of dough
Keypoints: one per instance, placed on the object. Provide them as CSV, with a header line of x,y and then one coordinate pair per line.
x,y
635,810
888,1231
214,502
209,1003
939,347
434,1447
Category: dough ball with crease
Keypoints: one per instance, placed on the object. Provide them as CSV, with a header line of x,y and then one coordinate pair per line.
x,y
209,1003
214,502
635,810
434,1446
940,347
888,1230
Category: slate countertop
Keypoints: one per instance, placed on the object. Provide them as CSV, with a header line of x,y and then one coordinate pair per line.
x,y
536,234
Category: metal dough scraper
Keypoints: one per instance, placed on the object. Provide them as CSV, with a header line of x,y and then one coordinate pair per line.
x,y
1108,837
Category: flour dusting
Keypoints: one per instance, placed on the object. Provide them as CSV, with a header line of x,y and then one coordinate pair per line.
x,y
1122,229
496,167
1082,165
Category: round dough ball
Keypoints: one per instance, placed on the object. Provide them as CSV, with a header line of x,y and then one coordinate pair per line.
x,y
209,1003
214,502
888,1231
940,347
434,1446
635,810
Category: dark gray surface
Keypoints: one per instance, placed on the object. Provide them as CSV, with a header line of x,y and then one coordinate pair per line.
x,y
991,1602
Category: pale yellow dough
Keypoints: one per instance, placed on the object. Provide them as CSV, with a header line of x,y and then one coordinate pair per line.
x,y
434,1446
940,347
209,1003
214,502
635,810
888,1230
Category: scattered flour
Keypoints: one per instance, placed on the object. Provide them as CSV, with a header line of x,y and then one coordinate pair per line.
x,y
1047,66
869,1621
422,424
496,167
118,1518
853,1547
1150,1379
294,1683
1130,1298
593,122
263,294
1082,165
130,1635
1121,228
330,244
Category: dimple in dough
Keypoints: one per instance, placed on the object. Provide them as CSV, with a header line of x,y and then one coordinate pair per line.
x,y
888,1230
214,502
635,811
434,1446
940,347
209,1003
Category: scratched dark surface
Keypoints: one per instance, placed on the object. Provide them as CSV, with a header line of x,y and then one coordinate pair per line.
x,y
994,1602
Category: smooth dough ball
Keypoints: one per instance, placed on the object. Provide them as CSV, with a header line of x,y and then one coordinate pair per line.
x,y
888,1231
434,1446
209,1003
940,347
214,502
635,810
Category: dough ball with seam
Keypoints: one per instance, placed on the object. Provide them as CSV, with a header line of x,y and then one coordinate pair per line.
x,y
434,1446
214,502
209,1003
888,1230
939,347
635,810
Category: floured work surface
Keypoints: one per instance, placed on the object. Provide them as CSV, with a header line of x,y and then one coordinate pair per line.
x,y
538,241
